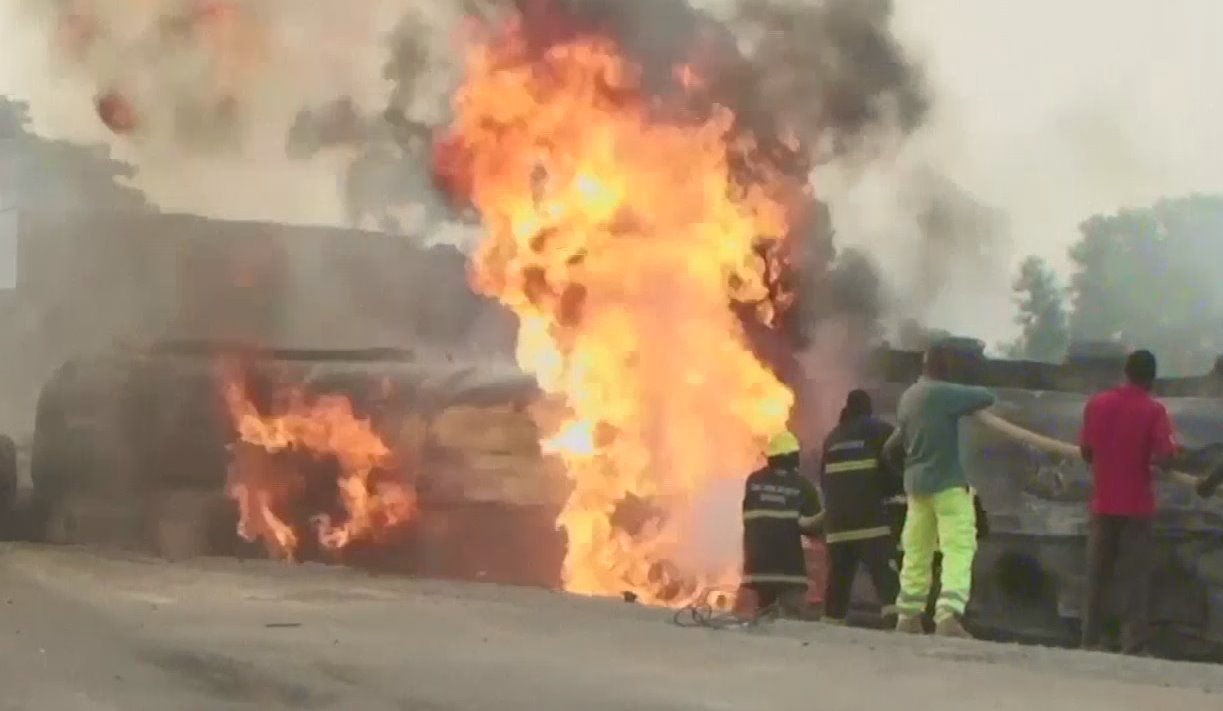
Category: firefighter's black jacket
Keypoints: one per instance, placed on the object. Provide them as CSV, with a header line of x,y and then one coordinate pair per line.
x,y
855,481
778,504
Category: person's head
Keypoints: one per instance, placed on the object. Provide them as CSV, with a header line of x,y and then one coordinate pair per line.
x,y
782,450
936,363
857,404
1140,369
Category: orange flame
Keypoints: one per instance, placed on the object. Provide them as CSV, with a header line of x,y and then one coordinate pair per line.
x,y
268,491
621,241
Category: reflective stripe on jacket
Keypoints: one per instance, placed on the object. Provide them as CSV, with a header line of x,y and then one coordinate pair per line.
x,y
854,481
774,501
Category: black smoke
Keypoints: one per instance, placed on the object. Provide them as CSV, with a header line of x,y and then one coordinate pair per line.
x,y
835,70
828,74
808,82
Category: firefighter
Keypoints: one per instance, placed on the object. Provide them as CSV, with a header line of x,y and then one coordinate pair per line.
x,y
779,507
855,483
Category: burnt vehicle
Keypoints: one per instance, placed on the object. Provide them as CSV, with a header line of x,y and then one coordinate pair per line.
x,y
1029,570
131,450
129,443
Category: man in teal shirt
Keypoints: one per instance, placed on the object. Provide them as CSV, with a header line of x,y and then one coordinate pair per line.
x,y
940,512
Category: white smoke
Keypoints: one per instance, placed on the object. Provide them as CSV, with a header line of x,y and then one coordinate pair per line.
x,y
215,104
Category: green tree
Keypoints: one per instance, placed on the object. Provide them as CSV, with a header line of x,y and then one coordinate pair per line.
x,y
1042,314
1147,278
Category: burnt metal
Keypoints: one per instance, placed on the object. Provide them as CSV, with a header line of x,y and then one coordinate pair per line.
x,y
127,424
1030,569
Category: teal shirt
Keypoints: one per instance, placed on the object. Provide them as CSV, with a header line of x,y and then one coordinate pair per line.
x,y
928,425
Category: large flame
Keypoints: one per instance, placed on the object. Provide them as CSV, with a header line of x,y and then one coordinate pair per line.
x,y
622,240
271,493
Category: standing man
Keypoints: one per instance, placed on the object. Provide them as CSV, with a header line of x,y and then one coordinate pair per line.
x,y
1125,433
940,514
779,506
854,483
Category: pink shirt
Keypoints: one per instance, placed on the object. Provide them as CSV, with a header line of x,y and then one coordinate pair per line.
x,y
1126,430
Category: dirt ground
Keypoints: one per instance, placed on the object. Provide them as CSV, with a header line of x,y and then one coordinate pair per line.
x,y
90,630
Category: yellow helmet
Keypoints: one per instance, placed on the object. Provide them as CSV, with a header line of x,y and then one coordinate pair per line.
x,y
782,443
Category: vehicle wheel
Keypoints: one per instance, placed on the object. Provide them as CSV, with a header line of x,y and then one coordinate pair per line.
x,y
181,521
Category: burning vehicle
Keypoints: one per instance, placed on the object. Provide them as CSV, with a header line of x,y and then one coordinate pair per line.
x,y
638,196
641,205
389,460
1030,567
433,465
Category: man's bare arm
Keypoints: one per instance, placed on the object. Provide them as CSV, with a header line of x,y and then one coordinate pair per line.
x,y
1065,449
1165,472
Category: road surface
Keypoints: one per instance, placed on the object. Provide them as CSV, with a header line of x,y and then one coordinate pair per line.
x,y
89,630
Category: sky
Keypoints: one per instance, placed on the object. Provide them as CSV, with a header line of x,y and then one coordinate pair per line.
x,y
1052,112
1058,110
1047,111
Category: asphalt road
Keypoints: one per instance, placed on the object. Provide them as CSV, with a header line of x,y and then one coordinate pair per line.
x,y
90,630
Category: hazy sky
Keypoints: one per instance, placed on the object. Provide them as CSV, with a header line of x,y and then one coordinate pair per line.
x,y
1056,110
1048,110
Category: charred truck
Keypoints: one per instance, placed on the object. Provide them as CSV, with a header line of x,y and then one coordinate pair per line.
x,y
135,446
132,449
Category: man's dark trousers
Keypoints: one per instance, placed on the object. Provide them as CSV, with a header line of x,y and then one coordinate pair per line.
x,y
1119,547
843,559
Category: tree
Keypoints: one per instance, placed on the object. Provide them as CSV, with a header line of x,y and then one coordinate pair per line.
x,y
1042,313
58,176
1146,278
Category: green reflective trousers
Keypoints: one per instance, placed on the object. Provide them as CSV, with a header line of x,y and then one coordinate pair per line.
x,y
945,521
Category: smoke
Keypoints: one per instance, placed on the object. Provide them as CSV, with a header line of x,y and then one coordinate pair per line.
x,y
813,83
828,74
203,94
1052,140
200,94
386,182
176,69
945,252
315,111
835,70
212,98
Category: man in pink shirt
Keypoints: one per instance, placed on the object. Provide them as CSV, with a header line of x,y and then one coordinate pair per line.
x,y
1125,433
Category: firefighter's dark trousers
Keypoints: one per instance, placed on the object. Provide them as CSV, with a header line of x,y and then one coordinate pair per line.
x,y
1119,548
843,559
781,599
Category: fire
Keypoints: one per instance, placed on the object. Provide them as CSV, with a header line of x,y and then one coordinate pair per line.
x,y
270,491
623,240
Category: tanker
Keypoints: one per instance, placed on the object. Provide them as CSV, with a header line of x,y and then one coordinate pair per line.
x,y
130,449
1030,568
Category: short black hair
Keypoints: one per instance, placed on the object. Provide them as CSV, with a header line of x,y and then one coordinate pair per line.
x,y
936,361
857,404
1140,368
